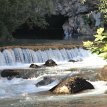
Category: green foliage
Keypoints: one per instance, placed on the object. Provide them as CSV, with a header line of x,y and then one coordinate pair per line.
x,y
103,8
98,46
87,19
13,13
83,1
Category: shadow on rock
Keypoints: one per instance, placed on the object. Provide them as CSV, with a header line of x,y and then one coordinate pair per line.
x,y
10,74
45,81
50,63
19,73
34,66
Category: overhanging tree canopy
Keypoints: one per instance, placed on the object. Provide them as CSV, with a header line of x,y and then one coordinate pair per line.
x,y
13,13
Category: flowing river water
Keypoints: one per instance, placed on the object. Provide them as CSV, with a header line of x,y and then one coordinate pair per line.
x,y
19,92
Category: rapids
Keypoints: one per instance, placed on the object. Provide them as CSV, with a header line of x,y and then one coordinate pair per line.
x,y
21,59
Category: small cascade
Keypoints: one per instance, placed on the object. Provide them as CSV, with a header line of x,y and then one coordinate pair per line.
x,y
9,56
18,55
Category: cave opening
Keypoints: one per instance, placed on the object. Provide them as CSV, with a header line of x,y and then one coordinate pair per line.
x,y
53,31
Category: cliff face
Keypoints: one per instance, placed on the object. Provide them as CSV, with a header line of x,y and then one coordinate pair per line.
x,y
69,19
74,7
83,16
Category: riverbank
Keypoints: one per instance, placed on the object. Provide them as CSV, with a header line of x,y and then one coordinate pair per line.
x,y
41,44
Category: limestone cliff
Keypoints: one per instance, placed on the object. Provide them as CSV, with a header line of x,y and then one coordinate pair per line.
x,y
83,17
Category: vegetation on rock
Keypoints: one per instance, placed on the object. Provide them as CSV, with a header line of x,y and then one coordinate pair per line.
x,y
13,13
99,45
103,8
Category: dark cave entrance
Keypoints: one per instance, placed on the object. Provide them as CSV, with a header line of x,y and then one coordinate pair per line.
x,y
53,31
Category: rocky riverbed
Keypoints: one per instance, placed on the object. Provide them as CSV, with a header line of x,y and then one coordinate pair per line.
x,y
25,90
25,96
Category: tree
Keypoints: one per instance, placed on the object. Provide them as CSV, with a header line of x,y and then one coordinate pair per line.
x,y
103,8
13,13
99,45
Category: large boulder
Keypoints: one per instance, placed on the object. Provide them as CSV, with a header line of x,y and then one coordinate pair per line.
x,y
50,62
9,73
103,73
20,73
72,85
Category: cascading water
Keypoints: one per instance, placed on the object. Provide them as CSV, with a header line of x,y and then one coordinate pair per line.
x,y
22,87
18,55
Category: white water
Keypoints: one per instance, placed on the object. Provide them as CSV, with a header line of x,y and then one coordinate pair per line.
x,y
21,58
23,87
18,55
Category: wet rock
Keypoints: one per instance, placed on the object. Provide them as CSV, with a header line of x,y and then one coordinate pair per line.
x,y
9,73
19,73
45,81
103,73
50,62
72,85
34,66
79,60
71,60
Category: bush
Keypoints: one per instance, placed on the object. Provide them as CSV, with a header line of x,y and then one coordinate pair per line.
x,y
99,45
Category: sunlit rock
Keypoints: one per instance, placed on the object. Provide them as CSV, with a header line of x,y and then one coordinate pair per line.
x,y
72,85
9,73
50,62
103,73
33,66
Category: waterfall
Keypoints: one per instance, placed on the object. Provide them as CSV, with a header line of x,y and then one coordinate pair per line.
x,y
18,55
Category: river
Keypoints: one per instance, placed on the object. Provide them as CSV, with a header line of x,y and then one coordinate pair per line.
x,y
19,92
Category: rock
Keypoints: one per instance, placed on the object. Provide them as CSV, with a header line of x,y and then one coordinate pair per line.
x,y
9,73
103,73
50,62
45,81
74,7
71,60
33,66
20,73
72,85
79,60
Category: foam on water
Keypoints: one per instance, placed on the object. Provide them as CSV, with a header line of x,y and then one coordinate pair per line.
x,y
18,55
18,86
